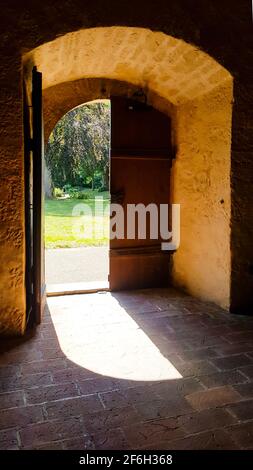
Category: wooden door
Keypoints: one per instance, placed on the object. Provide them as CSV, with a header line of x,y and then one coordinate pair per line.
x,y
28,166
34,162
38,197
140,173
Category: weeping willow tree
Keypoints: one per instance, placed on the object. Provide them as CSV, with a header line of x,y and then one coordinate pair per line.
x,y
77,152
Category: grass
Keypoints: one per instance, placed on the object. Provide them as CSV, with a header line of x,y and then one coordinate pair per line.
x,y
73,222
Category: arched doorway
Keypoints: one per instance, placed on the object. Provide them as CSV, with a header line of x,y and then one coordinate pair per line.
x,y
77,200
178,78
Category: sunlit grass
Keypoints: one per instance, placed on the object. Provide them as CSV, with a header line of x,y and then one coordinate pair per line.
x,y
61,227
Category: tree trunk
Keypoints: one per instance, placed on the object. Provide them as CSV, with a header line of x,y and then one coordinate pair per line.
x,y
48,184
106,178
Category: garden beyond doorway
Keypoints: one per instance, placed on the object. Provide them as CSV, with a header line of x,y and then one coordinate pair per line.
x,y
77,199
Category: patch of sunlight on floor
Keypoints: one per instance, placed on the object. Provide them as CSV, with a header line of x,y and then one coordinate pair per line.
x,y
98,334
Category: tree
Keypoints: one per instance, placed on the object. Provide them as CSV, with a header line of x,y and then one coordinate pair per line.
x,y
78,147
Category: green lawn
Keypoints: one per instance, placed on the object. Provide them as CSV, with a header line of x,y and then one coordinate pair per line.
x,y
68,224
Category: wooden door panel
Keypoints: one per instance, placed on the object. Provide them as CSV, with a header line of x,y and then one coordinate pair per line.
x,y
28,166
38,198
140,171
138,129
135,270
143,180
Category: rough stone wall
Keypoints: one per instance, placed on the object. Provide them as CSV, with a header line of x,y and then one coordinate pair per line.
x,y
222,29
170,67
201,184
12,240
242,195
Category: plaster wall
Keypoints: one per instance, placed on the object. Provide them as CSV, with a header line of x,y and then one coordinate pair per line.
x,y
201,184
12,239
152,60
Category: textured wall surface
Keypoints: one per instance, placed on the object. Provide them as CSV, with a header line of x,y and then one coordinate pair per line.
x,y
12,248
242,194
201,180
152,60
213,26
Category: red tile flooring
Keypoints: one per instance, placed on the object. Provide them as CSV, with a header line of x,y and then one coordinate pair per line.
x,y
150,369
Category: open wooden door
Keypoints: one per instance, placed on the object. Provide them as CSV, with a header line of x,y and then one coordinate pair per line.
x,y
34,163
28,166
140,173
38,197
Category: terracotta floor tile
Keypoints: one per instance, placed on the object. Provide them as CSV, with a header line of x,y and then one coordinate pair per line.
x,y
151,369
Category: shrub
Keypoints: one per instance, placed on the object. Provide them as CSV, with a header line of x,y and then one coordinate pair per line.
x,y
79,195
73,190
58,192
102,189
67,188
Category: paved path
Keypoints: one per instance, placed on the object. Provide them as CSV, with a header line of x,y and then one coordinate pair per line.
x,y
67,265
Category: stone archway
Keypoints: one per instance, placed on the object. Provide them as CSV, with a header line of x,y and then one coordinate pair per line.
x,y
170,67
180,79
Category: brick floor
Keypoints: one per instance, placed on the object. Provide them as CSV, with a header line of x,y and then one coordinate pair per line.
x,y
153,369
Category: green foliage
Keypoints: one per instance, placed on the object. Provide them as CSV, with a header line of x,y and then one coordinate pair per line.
x,y
58,192
67,188
102,189
76,194
77,153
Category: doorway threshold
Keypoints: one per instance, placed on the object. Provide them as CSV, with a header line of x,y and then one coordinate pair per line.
x,y
76,288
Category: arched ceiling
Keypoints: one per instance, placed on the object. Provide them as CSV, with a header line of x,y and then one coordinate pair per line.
x,y
169,67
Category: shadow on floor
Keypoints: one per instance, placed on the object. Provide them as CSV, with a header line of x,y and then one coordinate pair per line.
x,y
150,369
